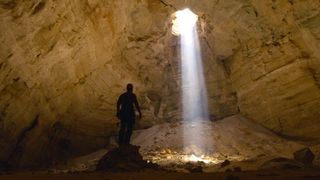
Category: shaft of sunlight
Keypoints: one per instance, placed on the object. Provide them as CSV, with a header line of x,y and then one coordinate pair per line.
x,y
194,93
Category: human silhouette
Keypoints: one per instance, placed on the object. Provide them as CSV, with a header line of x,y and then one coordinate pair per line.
x,y
126,114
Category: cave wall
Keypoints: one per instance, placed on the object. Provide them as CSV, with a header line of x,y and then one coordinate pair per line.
x,y
56,68
276,70
269,50
64,63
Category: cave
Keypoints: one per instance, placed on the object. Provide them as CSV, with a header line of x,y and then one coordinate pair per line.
x,y
227,89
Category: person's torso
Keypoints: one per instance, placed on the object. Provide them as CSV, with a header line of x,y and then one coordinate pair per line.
x,y
127,101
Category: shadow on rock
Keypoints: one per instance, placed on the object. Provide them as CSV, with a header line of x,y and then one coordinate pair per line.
x,y
304,156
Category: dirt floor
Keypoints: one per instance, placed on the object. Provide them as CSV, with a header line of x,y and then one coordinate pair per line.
x,y
238,149
155,175
236,139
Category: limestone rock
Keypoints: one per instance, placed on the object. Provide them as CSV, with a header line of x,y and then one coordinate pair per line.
x,y
281,164
126,158
67,62
304,156
225,163
193,167
316,150
275,71
235,139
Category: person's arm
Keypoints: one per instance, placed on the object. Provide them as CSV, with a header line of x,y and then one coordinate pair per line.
x,y
118,106
137,106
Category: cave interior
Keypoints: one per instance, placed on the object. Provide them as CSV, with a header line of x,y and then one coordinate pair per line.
x,y
249,69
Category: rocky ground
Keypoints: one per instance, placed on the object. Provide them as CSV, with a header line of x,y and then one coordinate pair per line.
x,y
232,143
155,175
236,144
241,149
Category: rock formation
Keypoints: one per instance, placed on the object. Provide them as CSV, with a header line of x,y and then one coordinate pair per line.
x,y
125,158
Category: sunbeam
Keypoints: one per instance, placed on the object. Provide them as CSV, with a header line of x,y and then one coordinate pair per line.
x,y
194,94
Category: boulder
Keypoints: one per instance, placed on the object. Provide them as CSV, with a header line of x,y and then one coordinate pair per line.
x,y
225,163
194,167
304,156
124,158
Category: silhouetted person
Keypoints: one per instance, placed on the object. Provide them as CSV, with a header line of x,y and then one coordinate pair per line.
x,y
126,114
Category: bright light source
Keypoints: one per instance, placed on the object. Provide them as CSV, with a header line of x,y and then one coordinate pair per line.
x,y
184,20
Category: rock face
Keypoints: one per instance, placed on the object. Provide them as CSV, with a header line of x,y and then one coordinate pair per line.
x,y
281,163
276,71
125,158
304,156
269,51
63,65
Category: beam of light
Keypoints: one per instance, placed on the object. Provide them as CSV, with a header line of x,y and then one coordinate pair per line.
x,y
194,94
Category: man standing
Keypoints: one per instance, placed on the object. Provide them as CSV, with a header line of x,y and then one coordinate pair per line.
x,y
126,114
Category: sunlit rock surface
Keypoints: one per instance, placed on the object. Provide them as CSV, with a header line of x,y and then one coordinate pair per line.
x,y
235,139
63,65
270,52
276,71
236,142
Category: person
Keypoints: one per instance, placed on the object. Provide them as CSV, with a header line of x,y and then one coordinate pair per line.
x,y
126,114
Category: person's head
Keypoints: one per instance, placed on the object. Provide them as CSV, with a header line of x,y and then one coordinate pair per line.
x,y
130,87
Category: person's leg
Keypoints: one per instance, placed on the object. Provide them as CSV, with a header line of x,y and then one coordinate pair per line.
x,y
122,132
129,130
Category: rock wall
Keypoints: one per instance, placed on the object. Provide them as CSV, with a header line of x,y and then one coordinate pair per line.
x,y
269,50
64,63
56,67
276,71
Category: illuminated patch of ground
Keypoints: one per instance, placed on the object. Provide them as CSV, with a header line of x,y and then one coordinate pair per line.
x,y
167,156
235,139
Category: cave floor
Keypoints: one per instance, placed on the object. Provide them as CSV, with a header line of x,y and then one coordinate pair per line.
x,y
243,143
154,175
